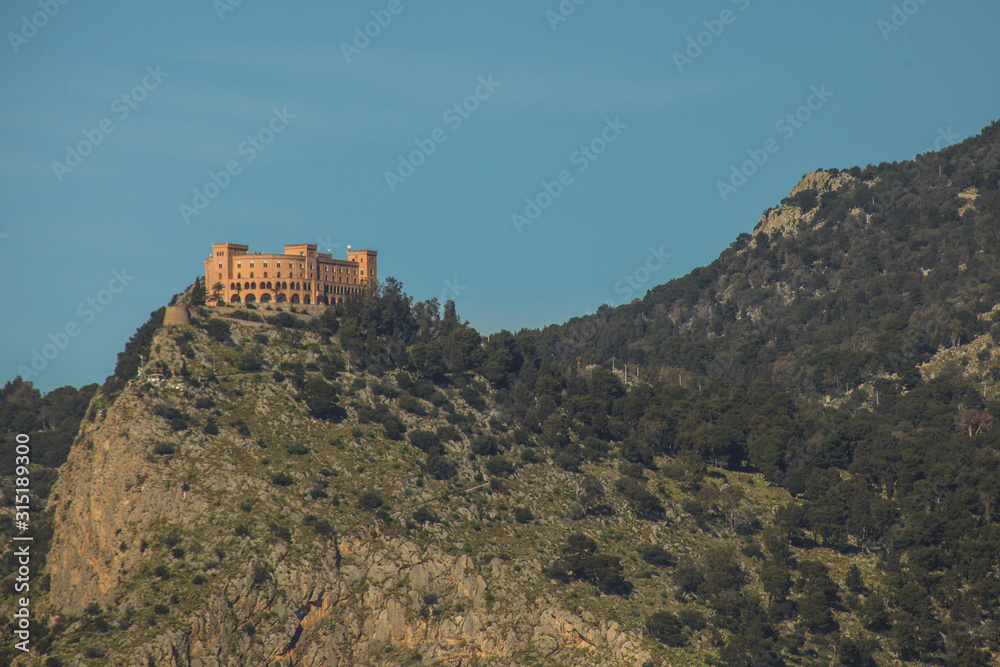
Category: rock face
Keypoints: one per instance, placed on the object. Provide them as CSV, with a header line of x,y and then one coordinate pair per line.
x,y
201,549
787,220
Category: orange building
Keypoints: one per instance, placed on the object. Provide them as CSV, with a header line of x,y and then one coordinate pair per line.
x,y
300,275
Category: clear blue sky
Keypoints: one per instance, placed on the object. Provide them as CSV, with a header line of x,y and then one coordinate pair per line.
x,y
446,231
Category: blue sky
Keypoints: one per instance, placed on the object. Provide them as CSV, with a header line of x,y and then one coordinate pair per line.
x,y
639,136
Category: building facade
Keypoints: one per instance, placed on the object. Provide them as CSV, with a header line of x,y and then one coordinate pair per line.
x,y
300,275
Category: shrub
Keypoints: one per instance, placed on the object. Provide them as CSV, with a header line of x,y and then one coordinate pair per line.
x,y
483,445
523,515
394,428
218,330
665,627
211,428
426,441
654,554
163,449
410,404
369,500
282,479
321,399
499,466
280,532
424,515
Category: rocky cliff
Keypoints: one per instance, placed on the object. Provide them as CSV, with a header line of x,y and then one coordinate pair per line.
x,y
207,519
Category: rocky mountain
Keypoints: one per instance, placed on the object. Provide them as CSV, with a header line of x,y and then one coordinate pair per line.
x,y
801,467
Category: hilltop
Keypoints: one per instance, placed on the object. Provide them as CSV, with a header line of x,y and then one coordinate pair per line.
x,y
803,470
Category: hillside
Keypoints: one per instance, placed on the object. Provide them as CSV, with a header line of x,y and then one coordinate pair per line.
x,y
801,468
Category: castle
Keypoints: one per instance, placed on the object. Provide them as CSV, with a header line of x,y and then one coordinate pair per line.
x,y
300,275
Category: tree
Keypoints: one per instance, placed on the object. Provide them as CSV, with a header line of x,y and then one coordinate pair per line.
x,y
217,290
198,292
665,627
321,399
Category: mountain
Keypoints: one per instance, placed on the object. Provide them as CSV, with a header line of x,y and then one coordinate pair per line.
x,y
799,466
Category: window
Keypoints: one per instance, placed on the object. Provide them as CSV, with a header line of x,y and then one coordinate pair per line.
x,y
265,265
279,265
239,275
239,265
279,272
220,265
265,273
251,273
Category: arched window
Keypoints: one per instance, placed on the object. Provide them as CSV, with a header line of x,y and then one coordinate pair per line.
x,y
250,298
246,285
280,298
295,298
265,298
253,285
306,300
232,285
235,298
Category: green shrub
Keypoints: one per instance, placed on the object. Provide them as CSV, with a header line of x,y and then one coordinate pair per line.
x,y
282,479
369,500
665,627
654,554
523,515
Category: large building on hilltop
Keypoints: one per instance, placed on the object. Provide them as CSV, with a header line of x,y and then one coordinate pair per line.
x,y
300,275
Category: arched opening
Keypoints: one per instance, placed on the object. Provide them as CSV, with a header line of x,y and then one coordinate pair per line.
x,y
232,285
307,299
323,300
284,285
265,298
269,286
295,298
235,298
250,298
246,285
253,285
280,298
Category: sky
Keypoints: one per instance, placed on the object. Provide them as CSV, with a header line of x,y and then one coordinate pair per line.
x,y
530,160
